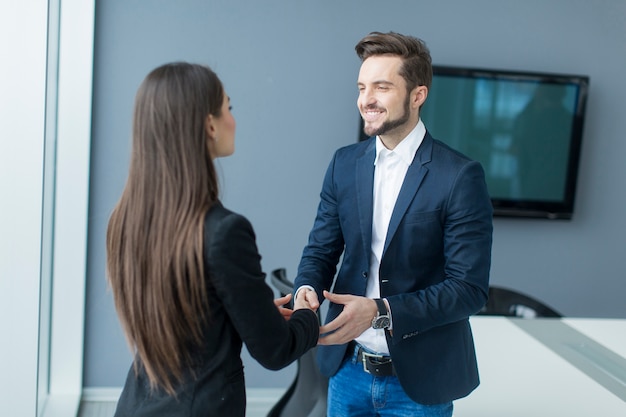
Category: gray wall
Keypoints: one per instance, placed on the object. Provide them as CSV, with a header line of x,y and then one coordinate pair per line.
x,y
290,70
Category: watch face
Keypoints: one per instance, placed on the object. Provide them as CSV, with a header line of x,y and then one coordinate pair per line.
x,y
380,322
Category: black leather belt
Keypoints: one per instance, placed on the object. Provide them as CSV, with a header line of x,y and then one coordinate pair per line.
x,y
377,365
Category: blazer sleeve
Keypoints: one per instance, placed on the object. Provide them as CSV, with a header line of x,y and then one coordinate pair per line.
x,y
235,272
321,255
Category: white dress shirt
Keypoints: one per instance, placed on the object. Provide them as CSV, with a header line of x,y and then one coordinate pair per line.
x,y
389,172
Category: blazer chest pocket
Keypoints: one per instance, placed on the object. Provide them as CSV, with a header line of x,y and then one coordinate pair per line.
x,y
422,217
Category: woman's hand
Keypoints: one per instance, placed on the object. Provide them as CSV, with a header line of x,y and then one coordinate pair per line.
x,y
284,311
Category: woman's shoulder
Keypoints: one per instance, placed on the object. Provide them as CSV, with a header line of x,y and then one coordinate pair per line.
x,y
218,213
220,219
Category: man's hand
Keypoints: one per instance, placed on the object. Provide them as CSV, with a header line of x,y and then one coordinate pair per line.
x,y
280,302
355,318
306,298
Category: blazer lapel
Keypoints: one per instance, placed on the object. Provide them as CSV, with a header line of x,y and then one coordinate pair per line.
x,y
412,181
364,195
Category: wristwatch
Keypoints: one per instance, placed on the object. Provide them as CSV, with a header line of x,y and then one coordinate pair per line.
x,y
382,320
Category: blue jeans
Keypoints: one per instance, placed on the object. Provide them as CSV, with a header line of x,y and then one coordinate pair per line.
x,y
354,392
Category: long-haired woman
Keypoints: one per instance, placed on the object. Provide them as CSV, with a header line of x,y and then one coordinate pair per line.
x,y
185,272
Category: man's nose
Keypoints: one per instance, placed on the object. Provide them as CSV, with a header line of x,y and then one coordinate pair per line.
x,y
367,98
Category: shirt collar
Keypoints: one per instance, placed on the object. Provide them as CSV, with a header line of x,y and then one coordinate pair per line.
x,y
407,147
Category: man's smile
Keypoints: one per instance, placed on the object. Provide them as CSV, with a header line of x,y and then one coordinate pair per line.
x,y
371,115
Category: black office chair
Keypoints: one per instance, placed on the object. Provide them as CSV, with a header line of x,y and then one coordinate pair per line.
x,y
307,394
507,302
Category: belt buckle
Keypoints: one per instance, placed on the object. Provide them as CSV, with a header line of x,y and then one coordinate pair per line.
x,y
365,356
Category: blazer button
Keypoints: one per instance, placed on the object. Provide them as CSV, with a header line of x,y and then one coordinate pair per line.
x,y
364,274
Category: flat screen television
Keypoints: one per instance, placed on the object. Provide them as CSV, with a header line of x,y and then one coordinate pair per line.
x,y
525,128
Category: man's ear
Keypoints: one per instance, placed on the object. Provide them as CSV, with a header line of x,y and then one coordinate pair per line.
x,y
418,96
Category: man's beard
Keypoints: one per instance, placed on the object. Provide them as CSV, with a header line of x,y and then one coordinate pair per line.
x,y
389,125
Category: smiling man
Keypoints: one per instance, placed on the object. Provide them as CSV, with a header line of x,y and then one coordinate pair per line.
x,y
411,221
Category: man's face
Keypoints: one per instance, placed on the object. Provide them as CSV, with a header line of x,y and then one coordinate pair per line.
x,y
383,100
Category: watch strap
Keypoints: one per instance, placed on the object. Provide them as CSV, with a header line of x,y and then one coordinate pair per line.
x,y
382,307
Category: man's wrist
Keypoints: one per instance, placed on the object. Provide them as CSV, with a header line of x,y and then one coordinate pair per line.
x,y
382,320
303,287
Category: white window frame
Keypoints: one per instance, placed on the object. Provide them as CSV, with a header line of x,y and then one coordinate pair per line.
x,y
45,107
74,92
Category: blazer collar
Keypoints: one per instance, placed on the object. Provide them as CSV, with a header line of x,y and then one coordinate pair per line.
x,y
365,201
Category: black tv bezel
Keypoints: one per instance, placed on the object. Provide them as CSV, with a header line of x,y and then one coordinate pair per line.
x,y
537,208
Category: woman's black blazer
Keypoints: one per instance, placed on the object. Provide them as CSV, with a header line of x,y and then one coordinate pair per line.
x,y
241,309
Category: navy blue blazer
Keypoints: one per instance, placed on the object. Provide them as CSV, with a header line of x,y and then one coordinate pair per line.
x,y
434,270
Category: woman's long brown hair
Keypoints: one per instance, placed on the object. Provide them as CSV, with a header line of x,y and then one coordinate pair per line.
x,y
155,233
